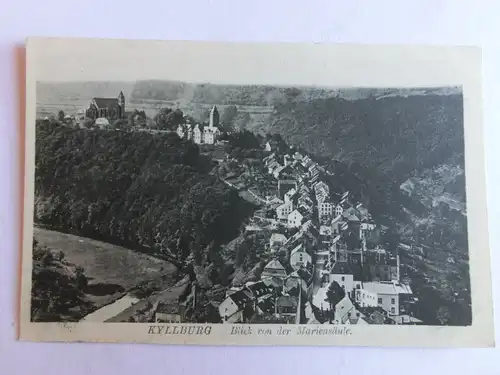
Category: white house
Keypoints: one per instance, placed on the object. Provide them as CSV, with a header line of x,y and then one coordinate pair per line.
x,y
364,298
197,135
299,257
210,135
338,210
342,274
388,294
295,219
343,311
231,309
284,210
325,209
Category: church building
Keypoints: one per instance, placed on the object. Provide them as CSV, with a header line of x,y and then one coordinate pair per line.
x,y
107,108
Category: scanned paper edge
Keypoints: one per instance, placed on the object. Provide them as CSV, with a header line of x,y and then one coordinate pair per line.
x,y
479,334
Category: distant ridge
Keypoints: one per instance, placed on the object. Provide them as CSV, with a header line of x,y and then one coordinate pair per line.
x,y
184,93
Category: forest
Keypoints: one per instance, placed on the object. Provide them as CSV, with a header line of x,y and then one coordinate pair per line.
x,y
394,136
150,192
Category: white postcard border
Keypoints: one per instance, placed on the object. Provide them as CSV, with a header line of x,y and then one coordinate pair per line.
x,y
321,65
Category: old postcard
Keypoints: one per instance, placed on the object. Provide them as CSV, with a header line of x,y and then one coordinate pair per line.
x,y
254,194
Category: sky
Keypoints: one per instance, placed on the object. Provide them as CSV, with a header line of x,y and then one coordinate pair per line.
x,y
342,65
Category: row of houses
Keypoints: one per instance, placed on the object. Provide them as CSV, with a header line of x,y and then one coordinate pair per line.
x,y
335,235
277,295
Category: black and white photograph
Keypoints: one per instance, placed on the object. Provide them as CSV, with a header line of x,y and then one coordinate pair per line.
x,y
182,203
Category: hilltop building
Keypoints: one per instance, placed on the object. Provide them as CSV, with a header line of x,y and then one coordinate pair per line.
x,y
107,108
202,134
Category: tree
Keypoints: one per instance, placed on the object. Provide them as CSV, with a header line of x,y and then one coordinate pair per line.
x,y
88,123
228,117
168,119
60,115
242,120
443,315
334,295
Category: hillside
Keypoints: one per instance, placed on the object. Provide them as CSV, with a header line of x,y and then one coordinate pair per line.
x,y
394,135
149,192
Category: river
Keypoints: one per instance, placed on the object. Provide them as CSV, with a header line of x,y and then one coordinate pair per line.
x,y
111,310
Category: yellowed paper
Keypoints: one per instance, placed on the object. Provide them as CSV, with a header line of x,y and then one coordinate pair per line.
x,y
254,194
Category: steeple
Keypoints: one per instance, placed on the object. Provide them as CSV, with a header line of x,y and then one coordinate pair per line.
x,y
121,104
214,117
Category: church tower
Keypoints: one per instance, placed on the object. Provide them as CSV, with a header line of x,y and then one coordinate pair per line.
x,y
121,105
214,117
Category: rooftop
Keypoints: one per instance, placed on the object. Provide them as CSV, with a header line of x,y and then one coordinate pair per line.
x,y
106,102
297,248
240,298
275,264
278,237
267,305
341,268
387,287
259,288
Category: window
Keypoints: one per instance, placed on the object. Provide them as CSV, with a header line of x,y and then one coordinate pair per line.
x,y
393,301
343,278
393,310
380,301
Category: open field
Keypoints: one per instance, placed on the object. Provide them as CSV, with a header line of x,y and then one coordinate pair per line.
x,y
103,262
112,271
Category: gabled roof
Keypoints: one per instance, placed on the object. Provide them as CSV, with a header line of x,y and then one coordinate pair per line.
x,y
342,308
277,237
275,265
106,102
297,248
295,212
